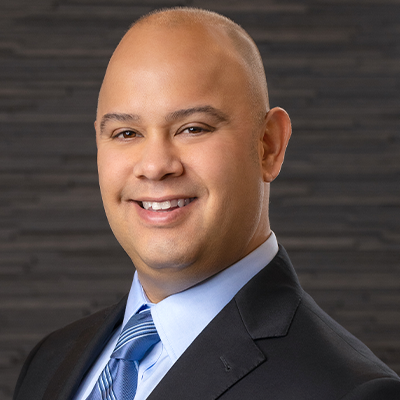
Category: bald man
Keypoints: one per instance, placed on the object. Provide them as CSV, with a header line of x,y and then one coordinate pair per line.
x,y
187,148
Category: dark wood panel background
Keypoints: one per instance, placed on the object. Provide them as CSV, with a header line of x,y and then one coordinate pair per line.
x,y
334,65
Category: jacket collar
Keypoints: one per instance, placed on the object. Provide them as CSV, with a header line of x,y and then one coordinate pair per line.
x,y
267,304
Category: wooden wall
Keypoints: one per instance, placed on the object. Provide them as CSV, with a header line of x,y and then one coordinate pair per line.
x,y
334,65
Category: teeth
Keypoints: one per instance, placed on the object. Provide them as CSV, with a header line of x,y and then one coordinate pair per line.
x,y
156,206
165,205
146,204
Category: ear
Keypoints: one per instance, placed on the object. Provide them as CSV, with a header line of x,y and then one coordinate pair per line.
x,y
278,129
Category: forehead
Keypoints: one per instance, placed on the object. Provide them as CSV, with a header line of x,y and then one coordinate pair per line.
x,y
194,38
191,60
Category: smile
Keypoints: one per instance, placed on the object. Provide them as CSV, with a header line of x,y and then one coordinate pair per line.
x,y
167,205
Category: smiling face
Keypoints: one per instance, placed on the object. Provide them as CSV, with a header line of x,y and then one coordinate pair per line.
x,y
180,156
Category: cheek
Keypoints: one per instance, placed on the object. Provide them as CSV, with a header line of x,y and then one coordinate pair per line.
x,y
112,168
210,162
226,167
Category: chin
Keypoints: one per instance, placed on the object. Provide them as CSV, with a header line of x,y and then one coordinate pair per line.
x,y
163,257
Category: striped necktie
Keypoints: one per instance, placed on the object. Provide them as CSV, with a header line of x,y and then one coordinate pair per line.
x,y
118,381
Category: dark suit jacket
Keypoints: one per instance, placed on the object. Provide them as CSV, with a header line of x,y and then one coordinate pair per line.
x,y
270,342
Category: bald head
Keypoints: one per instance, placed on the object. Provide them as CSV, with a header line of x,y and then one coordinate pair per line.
x,y
182,124
212,34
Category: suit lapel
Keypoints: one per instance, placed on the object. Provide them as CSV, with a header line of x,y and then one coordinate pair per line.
x,y
84,351
226,350
221,355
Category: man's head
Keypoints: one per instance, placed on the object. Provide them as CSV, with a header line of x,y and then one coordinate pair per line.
x,y
187,147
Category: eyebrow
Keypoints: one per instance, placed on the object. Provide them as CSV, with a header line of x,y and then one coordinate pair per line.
x,y
121,117
173,116
214,112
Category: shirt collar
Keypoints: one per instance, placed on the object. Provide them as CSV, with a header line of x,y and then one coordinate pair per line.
x,y
181,317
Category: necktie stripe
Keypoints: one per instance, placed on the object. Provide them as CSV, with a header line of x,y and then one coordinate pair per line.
x,y
133,331
110,392
102,387
138,328
133,335
105,385
128,340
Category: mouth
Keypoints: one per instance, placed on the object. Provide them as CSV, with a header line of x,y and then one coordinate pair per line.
x,y
168,205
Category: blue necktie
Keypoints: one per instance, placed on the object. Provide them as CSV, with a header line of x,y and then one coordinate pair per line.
x,y
118,381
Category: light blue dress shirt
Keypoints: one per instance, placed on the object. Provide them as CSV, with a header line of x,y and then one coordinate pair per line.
x,y
180,318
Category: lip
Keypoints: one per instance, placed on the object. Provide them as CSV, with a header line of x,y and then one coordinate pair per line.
x,y
161,199
162,218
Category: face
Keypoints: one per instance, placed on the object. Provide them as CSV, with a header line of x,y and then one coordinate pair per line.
x,y
179,158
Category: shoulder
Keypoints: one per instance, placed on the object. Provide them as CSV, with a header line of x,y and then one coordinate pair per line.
x,y
377,389
308,354
338,346
65,345
83,330
326,361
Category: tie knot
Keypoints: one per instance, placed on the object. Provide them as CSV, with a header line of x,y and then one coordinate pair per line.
x,y
137,337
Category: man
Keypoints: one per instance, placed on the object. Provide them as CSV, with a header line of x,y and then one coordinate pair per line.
x,y
187,148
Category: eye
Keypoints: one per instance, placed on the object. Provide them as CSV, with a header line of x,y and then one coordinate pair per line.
x,y
196,130
127,134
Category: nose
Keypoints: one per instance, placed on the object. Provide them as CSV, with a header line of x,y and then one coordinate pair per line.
x,y
159,159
